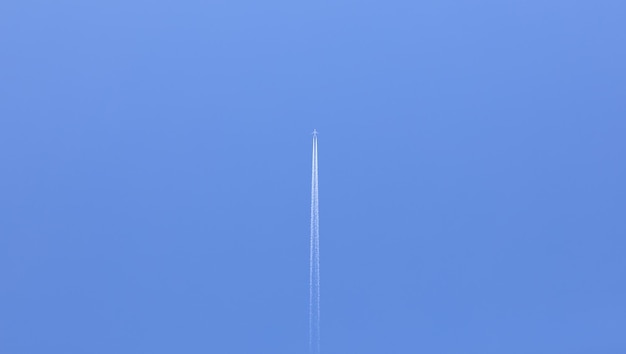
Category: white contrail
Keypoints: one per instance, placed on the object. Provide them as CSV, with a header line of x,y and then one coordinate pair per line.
x,y
312,242
314,265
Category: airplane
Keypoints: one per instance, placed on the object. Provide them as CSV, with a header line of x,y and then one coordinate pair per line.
x,y
314,132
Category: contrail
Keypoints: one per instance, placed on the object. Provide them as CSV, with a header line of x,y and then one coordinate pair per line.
x,y
314,264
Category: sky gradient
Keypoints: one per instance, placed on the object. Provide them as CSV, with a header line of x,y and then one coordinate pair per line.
x,y
155,176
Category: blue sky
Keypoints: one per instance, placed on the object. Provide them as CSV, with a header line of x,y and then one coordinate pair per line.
x,y
155,176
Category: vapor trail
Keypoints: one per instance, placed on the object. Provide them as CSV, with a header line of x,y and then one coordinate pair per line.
x,y
314,264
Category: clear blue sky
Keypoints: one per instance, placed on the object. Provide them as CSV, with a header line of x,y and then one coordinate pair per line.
x,y
155,176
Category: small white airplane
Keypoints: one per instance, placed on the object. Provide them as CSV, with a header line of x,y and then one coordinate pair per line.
x,y
314,132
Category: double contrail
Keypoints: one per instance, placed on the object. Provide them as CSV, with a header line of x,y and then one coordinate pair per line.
x,y
314,265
